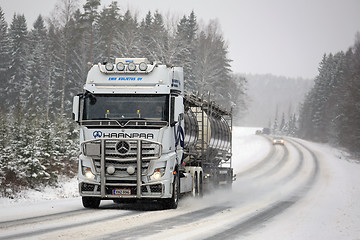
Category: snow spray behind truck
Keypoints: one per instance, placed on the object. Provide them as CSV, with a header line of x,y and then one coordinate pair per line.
x,y
142,137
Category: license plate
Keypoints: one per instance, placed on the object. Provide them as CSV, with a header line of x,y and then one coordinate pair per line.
x,y
121,192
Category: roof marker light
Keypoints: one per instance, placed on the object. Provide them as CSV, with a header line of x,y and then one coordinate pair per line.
x,y
120,66
132,66
109,66
143,66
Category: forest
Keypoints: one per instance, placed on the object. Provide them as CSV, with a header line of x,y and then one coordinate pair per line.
x,y
43,67
331,110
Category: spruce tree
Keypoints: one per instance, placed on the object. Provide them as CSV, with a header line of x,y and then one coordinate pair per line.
x,y
5,55
89,18
129,39
37,65
107,32
18,76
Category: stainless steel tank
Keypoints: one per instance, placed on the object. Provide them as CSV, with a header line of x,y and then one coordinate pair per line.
x,y
191,130
213,130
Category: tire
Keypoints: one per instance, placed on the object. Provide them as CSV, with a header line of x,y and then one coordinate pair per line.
x,y
201,190
195,190
172,203
91,202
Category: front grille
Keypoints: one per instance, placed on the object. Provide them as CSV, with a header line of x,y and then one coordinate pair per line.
x,y
121,160
122,154
117,150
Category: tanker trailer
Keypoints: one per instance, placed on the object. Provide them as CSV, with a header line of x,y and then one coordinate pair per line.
x,y
207,143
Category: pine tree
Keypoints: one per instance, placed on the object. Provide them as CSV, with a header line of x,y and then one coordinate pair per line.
x,y
88,20
146,35
282,124
292,131
237,95
213,67
15,154
34,169
159,40
54,71
129,38
185,51
3,145
37,63
18,76
107,32
4,58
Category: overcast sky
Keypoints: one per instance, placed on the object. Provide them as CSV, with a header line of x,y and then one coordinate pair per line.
x,y
281,37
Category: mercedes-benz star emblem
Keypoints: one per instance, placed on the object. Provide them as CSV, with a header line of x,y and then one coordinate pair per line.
x,y
123,147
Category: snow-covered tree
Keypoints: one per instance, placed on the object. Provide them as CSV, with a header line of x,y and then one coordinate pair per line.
x,y
37,65
129,39
4,58
88,19
107,32
330,110
18,83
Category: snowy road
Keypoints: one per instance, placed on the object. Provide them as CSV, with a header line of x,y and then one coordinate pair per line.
x,y
298,191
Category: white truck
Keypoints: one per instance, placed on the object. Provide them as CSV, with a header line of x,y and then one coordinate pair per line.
x,y
142,137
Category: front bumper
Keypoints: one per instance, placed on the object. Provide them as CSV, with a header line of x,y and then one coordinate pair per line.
x,y
122,184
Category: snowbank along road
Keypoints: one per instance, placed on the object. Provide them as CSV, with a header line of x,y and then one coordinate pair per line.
x,y
300,190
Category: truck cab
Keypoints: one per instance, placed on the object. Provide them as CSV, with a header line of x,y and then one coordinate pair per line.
x,y
129,115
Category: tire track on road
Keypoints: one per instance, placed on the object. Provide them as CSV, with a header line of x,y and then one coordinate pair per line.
x,y
42,218
32,233
277,166
258,219
163,225
259,164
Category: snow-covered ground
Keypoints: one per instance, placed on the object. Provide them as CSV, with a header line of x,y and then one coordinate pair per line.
x,y
247,145
329,210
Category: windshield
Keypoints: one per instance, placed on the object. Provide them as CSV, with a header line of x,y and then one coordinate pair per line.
x,y
126,107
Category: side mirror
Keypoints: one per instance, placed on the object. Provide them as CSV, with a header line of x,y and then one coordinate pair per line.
x,y
76,107
177,109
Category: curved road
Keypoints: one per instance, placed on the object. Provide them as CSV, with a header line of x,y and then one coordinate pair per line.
x,y
262,192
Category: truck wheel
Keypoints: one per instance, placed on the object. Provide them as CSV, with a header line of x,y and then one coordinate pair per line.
x,y
198,185
91,202
201,190
172,203
195,190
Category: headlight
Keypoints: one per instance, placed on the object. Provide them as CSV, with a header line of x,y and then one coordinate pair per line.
x,y
158,173
88,173
109,66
